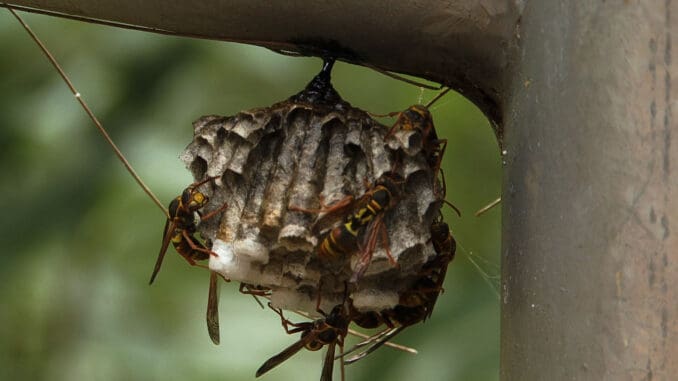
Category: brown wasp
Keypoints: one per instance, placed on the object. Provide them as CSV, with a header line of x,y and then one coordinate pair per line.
x,y
328,331
181,226
417,303
180,230
418,118
414,306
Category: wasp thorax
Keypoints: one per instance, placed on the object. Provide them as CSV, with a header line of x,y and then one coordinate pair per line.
x,y
295,176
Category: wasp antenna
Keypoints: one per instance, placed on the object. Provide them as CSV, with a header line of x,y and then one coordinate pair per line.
x,y
453,207
395,346
202,182
401,78
440,95
89,112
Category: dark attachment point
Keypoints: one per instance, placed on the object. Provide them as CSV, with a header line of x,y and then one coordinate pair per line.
x,y
319,90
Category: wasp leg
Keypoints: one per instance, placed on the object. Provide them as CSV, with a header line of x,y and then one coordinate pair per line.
x,y
298,327
442,145
324,208
214,212
248,289
386,244
195,247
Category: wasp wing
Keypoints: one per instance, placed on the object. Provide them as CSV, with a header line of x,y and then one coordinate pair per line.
x,y
376,345
366,248
328,363
213,309
368,341
166,238
284,355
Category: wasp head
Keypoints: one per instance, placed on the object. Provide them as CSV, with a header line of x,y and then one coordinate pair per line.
x,y
389,184
416,117
193,200
440,231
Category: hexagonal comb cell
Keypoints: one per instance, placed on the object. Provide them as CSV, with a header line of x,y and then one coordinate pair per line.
x,y
308,216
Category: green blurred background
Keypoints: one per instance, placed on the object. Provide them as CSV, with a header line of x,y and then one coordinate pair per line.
x,y
79,238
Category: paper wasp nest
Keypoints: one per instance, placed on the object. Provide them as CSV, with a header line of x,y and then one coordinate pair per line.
x,y
311,148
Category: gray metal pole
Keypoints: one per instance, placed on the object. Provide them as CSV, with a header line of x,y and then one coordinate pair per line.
x,y
590,208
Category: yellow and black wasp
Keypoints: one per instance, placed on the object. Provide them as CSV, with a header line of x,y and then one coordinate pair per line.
x,y
361,229
180,227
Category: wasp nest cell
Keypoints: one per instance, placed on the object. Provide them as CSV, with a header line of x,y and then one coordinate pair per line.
x,y
285,171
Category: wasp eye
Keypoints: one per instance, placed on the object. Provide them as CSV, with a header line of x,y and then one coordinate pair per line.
x,y
186,196
382,197
199,198
173,206
414,115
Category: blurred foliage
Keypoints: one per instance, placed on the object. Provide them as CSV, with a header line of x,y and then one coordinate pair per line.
x,y
79,238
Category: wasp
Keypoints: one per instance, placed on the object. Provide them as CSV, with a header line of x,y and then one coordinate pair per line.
x,y
418,118
424,293
361,229
396,320
343,239
328,331
179,229
416,304
181,225
445,247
